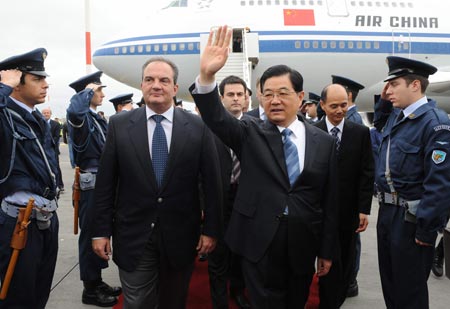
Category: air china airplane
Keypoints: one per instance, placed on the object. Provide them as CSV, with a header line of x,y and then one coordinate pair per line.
x,y
319,38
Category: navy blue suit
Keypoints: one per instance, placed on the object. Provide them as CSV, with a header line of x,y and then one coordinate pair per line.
x,y
419,164
31,283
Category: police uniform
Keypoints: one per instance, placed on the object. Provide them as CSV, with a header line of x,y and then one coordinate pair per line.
x,y
28,169
88,133
413,180
121,99
354,87
312,99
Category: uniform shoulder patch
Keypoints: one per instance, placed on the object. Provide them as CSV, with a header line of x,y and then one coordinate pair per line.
x,y
438,156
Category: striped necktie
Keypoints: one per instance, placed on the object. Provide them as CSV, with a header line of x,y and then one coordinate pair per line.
x,y
290,156
235,168
334,132
159,150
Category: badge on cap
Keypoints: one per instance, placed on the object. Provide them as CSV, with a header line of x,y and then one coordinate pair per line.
x,y
44,55
438,156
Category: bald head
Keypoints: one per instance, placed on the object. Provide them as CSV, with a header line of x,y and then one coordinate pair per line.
x,y
47,113
334,102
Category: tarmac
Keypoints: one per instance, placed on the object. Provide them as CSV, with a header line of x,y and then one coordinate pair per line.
x,y
67,287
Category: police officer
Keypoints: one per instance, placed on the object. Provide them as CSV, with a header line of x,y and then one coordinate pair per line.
x,y
353,89
28,168
413,180
88,132
310,106
122,102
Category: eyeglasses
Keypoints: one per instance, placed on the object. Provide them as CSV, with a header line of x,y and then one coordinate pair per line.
x,y
282,94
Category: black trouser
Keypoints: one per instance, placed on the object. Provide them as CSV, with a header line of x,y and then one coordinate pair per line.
x,y
91,264
404,265
33,274
271,282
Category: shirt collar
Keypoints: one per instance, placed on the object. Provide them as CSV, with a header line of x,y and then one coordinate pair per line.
x,y
330,126
411,108
295,127
168,114
23,105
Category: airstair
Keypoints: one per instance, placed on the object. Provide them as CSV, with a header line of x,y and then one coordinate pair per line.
x,y
243,57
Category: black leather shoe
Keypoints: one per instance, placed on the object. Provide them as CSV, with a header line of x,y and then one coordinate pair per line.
x,y
438,262
353,289
241,300
98,298
110,290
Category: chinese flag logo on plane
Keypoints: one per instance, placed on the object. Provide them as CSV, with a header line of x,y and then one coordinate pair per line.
x,y
298,17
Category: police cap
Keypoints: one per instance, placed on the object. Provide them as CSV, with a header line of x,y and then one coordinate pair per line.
x,y
81,83
346,82
399,66
312,98
122,99
31,62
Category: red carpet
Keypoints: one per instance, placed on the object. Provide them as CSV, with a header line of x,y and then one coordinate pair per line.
x,y
199,295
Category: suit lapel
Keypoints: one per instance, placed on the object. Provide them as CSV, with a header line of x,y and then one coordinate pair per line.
x,y
273,137
138,135
180,135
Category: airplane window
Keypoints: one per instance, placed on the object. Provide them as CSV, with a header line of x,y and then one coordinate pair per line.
x,y
361,3
269,2
385,3
368,45
242,3
132,49
182,46
402,4
286,2
277,2
350,45
369,4
333,44
148,48
311,2
140,49
294,2
260,2
376,45
173,47
394,4
165,47
116,50
306,44
251,2
315,44
377,3
410,5
353,3
324,44
298,44
359,45
124,50
191,46
156,48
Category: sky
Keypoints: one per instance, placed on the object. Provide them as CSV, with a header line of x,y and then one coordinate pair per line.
x,y
59,27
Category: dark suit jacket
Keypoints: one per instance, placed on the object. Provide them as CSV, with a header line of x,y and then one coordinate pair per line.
x,y
356,173
55,130
254,112
264,188
126,172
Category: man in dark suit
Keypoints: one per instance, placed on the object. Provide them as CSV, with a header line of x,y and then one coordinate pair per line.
x,y
355,188
258,112
284,212
55,131
223,265
148,196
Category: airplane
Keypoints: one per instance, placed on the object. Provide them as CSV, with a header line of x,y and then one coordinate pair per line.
x,y
351,38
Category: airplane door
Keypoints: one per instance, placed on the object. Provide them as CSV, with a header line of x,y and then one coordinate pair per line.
x,y
337,8
401,42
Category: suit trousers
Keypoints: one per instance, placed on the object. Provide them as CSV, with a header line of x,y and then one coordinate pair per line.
x,y
91,264
404,265
154,283
271,282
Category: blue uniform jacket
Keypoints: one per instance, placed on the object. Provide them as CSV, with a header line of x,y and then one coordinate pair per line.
x,y
354,116
29,171
419,162
87,139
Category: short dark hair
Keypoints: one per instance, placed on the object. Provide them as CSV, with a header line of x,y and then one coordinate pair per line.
x,y
231,79
165,60
279,70
424,82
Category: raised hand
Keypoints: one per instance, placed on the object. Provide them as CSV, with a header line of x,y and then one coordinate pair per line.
x,y
10,77
215,54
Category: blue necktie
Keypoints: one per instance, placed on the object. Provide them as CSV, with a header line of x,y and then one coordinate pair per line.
x,y
159,150
291,156
334,133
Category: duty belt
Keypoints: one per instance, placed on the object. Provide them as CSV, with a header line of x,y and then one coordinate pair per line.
x,y
392,199
13,210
